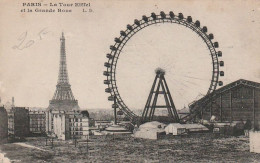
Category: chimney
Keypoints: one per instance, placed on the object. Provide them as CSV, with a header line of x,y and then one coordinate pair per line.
x,y
12,101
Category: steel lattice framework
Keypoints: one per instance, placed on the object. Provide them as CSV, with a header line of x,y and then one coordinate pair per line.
x,y
63,88
63,98
159,87
131,30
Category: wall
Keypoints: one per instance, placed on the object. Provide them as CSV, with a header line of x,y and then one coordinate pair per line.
x,y
37,121
79,126
239,103
49,122
18,122
3,124
59,125
21,122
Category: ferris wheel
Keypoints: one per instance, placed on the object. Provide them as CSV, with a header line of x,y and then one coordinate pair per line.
x,y
131,30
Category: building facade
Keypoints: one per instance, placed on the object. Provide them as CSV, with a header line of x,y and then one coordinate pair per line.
x,y
18,122
102,124
3,124
237,101
71,124
37,122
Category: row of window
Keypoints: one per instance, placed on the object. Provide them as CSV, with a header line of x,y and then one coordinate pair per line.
x,y
76,129
76,133
37,129
37,121
37,126
75,119
75,124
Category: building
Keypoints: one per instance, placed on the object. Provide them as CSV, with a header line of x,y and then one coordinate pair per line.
x,y
63,116
180,129
3,124
185,111
102,124
79,124
237,101
18,122
91,122
71,124
37,122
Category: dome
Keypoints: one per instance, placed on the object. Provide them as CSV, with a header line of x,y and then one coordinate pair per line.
x,y
85,113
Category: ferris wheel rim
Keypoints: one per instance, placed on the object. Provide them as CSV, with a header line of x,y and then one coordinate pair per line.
x,y
131,30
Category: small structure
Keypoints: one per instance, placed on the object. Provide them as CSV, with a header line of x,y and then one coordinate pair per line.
x,y
102,124
183,112
175,129
180,129
115,130
194,127
149,130
226,128
254,141
3,124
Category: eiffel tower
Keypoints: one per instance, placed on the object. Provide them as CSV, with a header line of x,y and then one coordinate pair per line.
x,y
159,87
63,98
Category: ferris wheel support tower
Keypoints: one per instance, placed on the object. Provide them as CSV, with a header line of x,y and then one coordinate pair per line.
x,y
159,87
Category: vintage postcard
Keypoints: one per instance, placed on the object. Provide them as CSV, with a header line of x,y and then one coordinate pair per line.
x,y
129,81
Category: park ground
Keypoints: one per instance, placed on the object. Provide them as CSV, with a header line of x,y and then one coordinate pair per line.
x,y
196,148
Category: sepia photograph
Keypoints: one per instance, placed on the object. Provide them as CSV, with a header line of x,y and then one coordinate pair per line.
x,y
144,81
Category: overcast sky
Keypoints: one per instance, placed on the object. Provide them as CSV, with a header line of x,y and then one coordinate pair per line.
x,y
30,74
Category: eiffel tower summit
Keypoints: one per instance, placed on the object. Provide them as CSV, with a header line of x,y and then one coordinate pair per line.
x,y
63,113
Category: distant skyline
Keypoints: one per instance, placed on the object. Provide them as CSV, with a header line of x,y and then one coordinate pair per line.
x,y
30,74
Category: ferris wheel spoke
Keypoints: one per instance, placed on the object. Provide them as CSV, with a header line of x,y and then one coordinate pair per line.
x,y
181,83
192,77
179,91
191,82
178,82
196,78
